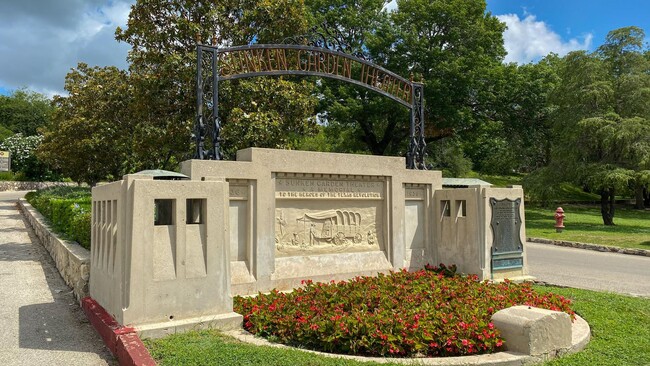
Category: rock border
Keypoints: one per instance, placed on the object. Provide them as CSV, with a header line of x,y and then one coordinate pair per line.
x,y
71,259
16,185
581,334
589,246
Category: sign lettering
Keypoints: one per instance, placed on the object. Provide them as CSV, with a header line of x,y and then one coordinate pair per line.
x,y
5,161
328,189
269,60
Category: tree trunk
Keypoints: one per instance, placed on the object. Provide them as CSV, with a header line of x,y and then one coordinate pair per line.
x,y
607,206
638,193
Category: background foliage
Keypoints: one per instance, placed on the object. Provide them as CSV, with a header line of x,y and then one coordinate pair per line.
x,y
581,119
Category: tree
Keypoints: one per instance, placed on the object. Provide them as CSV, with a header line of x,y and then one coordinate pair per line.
x,y
115,122
24,112
357,119
453,46
516,137
602,124
162,59
92,134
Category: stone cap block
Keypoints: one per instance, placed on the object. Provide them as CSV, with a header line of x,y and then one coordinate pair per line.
x,y
534,331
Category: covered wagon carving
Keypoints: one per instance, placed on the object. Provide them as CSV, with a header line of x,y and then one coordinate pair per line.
x,y
332,226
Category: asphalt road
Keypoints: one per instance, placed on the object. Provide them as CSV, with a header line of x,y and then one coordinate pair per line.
x,y
588,269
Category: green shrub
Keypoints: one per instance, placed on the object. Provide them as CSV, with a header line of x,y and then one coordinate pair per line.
x,y
7,176
431,312
68,209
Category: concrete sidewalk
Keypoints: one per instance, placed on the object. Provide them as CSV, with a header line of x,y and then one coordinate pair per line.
x,y
41,322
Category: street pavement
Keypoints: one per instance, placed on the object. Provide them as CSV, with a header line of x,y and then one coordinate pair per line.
x,y
40,320
589,269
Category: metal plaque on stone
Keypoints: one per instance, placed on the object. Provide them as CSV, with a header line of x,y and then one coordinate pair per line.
x,y
506,227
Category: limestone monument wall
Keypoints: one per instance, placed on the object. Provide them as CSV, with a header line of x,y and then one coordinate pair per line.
x,y
303,215
159,254
168,255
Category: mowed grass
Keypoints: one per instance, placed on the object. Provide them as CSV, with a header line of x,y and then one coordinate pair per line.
x,y
619,326
583,223
209,347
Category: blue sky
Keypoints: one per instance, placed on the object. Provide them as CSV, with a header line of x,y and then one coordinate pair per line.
x,y
41,40
541,25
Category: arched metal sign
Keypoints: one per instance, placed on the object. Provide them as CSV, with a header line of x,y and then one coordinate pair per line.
x,y
217,64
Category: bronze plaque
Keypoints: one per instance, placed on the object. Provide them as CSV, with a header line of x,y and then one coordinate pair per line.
x,y
506,226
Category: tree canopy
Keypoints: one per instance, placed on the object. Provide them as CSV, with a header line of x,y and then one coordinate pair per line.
x,y
581,118
602,119
454,47
23,112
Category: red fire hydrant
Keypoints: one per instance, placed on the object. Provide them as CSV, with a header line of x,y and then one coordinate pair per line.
x,y
559,219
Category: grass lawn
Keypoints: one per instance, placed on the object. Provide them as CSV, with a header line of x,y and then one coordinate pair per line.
x,y
619,324
565,192
584,224
209,347
620,328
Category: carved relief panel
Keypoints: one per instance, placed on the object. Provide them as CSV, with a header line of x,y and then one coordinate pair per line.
x,y
328,214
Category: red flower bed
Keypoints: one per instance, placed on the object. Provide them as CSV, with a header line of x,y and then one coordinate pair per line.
x,y
428,313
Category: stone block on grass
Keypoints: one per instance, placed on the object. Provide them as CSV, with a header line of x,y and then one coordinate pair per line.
x,y
534,331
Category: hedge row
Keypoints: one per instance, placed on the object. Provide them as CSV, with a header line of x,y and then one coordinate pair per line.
x,y
68,209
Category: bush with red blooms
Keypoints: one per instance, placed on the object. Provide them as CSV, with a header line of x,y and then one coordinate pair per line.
x,y
429,313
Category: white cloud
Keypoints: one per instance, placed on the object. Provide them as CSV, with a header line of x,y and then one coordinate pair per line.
x,y
529,40
40,41
391,5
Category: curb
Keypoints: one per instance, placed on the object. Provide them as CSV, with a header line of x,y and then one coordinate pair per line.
x,y
589,246
123,342
580,336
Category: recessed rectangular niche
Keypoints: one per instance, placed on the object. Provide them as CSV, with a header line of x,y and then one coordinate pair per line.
x,y
445,208
164,212
195,211
461,208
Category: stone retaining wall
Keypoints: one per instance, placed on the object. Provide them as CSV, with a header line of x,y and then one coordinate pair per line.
x,y
30,186
596,247
71,259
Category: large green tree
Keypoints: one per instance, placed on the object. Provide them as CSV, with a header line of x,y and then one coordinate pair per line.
x,y
517,133
263,112
355,119
454,47
115,122
93,133
602,120
23,112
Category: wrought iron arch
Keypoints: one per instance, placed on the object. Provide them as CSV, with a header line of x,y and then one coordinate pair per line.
x,y
216,64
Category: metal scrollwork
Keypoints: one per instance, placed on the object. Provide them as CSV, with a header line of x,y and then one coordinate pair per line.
x,y
208,125
325,56
327,37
